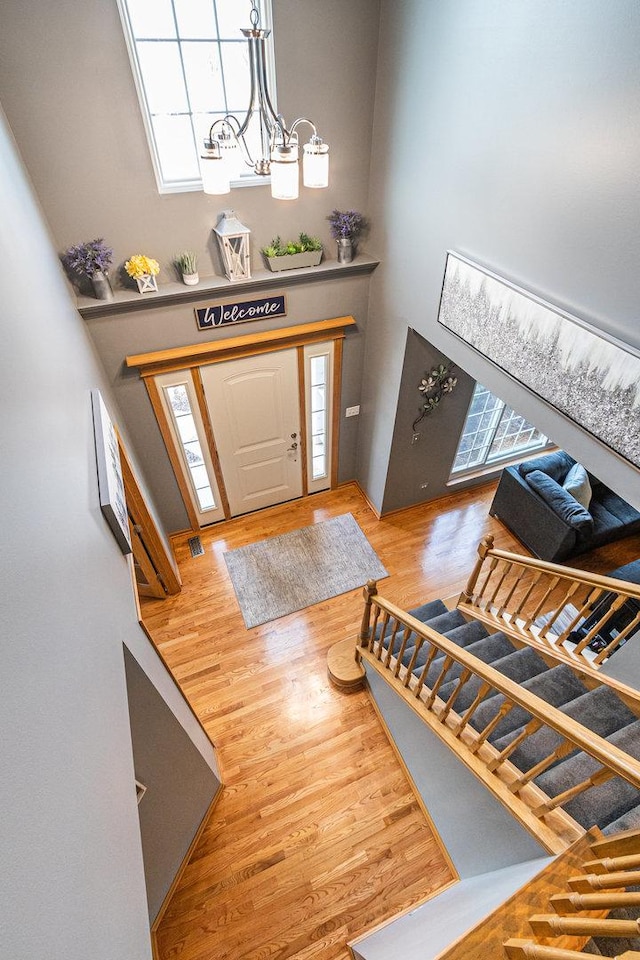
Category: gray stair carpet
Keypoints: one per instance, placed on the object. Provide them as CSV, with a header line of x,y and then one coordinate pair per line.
x,y
518,665
486,649
557,685
616,946
600,710
591,948
628,821
598,805
425,612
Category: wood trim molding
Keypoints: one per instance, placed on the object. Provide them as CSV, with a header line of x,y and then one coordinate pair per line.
x,y
336,411
231,348
302,435
152,539
211,440
156,403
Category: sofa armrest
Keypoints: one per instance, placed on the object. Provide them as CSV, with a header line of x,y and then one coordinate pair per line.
x,y
531,519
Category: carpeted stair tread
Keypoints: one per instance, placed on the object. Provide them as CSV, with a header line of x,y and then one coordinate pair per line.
x,y
628,821
598,805
616,946
427,611
557,685
599,710
464,634
487,649
517,665
591,948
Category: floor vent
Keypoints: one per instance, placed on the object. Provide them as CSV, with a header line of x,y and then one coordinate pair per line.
x,y
195,545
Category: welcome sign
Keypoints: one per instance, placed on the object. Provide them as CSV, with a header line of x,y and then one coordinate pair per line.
x,y
241,311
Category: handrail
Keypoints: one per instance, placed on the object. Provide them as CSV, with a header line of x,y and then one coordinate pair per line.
x,y
514,591
607,753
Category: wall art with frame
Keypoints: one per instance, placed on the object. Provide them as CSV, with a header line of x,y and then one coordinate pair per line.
x,y
587,375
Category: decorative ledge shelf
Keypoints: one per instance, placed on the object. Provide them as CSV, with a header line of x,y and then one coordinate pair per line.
x,y
128,301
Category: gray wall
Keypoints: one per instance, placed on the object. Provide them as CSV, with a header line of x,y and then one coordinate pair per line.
x,y
72,880
155,329
509,132
68,91
427,460
180,784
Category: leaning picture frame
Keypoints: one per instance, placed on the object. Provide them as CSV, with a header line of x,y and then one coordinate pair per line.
x,y
110,479
586,374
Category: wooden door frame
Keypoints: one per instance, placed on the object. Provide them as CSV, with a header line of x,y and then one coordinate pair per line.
x,y
164,567
194,356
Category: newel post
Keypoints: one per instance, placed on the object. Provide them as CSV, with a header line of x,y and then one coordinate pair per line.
x,y
485,545
368,591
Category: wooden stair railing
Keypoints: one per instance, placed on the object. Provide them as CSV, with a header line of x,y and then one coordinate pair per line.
x,y
583,928
510,592
542,815
527,950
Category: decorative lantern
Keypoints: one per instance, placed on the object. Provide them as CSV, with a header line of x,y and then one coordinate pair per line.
x,y
233,239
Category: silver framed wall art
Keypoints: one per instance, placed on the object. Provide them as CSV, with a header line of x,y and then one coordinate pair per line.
x,y
587,375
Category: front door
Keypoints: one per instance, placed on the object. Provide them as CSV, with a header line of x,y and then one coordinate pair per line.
x,y
254,407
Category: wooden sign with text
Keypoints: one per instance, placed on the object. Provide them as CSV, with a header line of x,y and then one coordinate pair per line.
x,y
241,311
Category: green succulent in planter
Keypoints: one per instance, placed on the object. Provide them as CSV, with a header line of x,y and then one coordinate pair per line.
x,y
304,244
187,262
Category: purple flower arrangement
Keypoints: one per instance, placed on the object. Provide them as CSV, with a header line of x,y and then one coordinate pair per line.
x,y
89,258
346,224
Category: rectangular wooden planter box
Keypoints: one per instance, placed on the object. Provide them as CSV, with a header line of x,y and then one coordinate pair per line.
x,y
291,261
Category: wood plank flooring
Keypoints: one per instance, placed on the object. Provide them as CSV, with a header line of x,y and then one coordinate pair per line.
x,y
317,836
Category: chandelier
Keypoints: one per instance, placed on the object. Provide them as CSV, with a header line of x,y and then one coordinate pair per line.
x,y
226,147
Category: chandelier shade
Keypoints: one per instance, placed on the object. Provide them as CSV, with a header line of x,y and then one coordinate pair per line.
x,y
226,149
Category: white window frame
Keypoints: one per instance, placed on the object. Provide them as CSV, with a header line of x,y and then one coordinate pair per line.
x,y
249,179
489,464
178,379
310,351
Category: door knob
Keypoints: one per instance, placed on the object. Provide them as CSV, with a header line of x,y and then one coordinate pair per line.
x,y
294,446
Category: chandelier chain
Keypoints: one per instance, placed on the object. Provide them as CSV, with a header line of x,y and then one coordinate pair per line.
x,y
255,15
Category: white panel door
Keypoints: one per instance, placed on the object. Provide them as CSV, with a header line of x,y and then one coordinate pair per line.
x,y
254,408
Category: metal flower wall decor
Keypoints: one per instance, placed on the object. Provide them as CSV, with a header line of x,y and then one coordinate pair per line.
x,y
433,387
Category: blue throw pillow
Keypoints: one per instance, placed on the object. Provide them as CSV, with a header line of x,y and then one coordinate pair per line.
x,y
577,484
561,502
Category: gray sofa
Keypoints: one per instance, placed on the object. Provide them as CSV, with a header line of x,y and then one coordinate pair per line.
x,y
532,502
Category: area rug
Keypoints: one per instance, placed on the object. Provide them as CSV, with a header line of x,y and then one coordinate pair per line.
x,y
283,574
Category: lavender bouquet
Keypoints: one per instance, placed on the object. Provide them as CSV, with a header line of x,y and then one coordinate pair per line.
x,y
89,258
346,224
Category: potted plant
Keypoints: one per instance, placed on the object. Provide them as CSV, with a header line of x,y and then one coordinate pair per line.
x,y
346,226
187,264
306,251
91,259
144,271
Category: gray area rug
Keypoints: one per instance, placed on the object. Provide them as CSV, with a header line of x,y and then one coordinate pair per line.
x,y
283,574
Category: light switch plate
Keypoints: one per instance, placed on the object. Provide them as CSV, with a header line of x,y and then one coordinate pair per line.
x,y
352,411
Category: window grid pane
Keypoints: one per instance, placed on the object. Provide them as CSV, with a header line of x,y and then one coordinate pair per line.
x,y
191,59
187,433
318,371
493,432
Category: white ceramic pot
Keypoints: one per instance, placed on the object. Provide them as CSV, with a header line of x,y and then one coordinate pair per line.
x,y
190,279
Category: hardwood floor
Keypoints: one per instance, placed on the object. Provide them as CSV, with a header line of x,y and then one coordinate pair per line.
x,y
317,835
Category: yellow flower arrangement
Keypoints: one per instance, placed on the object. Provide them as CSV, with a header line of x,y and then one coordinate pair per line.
x,y
139,266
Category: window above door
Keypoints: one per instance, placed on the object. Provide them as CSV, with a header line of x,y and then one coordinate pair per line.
x,y
190,63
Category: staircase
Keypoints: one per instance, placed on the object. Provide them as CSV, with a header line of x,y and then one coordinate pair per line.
x,y
555,741
598,915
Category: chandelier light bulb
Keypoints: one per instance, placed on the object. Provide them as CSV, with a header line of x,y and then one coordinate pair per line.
x,y
284,172
315,164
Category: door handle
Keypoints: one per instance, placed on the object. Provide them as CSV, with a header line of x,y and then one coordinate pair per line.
x,y
294,446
